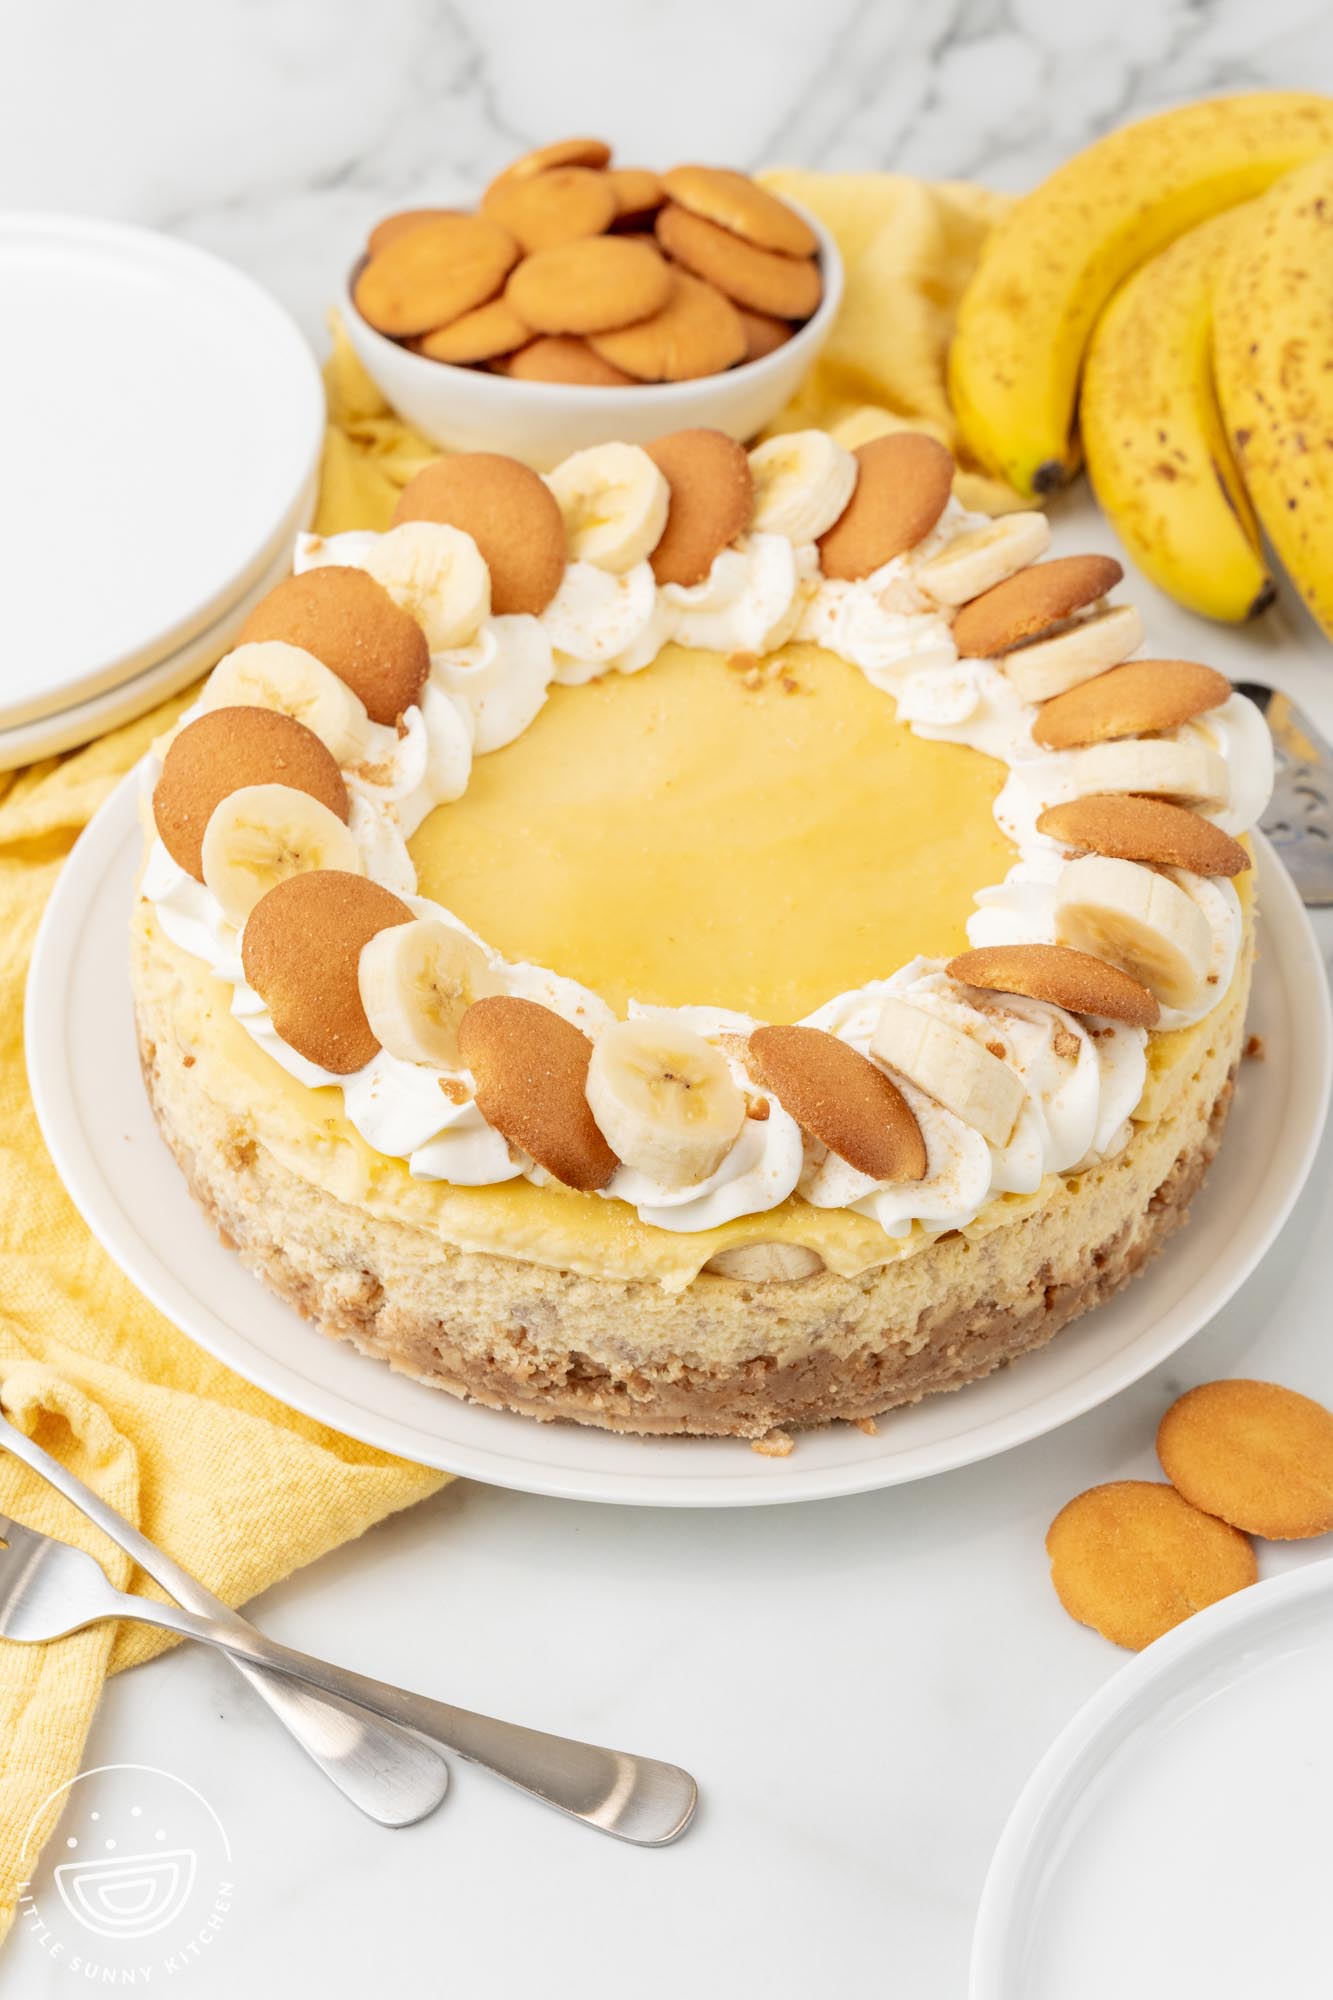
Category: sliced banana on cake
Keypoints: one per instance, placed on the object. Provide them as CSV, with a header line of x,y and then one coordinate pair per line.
x,y
1044,668
1134,918
260,834
803,481
982,557
269,673
1184,768
614,501
664,1100
416,982
950,1067
438,575
766,1263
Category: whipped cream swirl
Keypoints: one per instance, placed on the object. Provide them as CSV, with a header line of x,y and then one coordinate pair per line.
x,y
1080,1081
761,1167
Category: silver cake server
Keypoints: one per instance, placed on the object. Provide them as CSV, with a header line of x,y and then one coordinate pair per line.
x,y
1299,819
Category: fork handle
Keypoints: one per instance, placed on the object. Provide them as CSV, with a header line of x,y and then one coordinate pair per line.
x,y
638,1799
392,1776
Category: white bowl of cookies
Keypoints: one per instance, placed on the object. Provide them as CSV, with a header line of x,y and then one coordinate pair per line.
x,y
583,302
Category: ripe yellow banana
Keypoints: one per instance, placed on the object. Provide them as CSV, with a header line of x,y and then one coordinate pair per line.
x,y
1273,354
1051,264
1153,436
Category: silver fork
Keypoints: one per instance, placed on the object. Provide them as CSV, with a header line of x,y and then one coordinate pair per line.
x,y
48,1588
394,1778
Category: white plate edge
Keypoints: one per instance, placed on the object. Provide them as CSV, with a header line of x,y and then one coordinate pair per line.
x,y
162,244
98,714
1308,1089
1006,1894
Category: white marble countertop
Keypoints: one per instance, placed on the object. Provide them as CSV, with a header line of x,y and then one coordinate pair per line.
x,y
276,134
863,1685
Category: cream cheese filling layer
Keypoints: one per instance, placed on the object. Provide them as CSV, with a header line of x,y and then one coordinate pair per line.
x,y
1081,1080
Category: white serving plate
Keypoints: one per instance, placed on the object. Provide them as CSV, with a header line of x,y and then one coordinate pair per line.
x,y
1174,1840
48,735
84,1070
164,422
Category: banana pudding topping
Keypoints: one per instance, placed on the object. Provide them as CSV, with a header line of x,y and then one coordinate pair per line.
x,y
368,683
1138,829
344,617
228,749
1141,698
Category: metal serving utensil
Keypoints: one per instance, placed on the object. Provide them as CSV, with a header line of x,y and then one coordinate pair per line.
x,y
1299,819
392,1776
48,1588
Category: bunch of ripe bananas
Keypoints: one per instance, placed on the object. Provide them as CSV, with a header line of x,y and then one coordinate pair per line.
x,y
1165,300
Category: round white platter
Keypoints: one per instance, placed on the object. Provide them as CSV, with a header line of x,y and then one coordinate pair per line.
x,y
84,1070
48,735
193,417
1174,1840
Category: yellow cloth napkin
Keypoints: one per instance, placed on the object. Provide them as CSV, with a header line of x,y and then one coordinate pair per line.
x,y
239,1488
908,248
236,1486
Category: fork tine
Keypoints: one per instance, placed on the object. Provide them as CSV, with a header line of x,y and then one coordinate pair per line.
x,y
48,1587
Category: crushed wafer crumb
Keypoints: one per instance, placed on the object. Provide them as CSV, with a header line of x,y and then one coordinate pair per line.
x,y
997,1049
778,1444
1066,1044
759,671
738,1048
758,1108
867,1426
1255,1049
374,774
454,1089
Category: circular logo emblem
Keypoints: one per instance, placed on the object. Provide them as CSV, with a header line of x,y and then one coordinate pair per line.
x,y
136,1877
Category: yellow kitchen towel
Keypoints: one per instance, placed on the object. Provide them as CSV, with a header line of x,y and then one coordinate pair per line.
x,y
236,1486
908,248
239,1488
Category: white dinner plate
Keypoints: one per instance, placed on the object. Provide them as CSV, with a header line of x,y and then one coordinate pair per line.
x,y
48,735
1174,1841
164,420
84,1069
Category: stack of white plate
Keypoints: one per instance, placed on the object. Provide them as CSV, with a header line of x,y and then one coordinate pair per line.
x,y
163,427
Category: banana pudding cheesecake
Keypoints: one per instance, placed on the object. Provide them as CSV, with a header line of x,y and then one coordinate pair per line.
x,y
701,942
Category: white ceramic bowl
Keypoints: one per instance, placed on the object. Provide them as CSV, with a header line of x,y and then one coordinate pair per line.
x,y
467,409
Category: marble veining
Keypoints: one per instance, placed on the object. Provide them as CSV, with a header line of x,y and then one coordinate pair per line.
x,y
276,133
